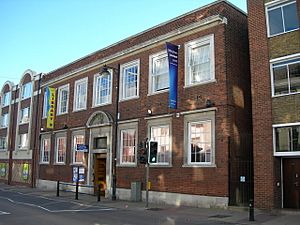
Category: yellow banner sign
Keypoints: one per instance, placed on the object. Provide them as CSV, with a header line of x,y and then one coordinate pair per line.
x,y
51,96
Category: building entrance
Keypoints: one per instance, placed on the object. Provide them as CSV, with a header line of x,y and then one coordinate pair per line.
x,y
291,183
100,173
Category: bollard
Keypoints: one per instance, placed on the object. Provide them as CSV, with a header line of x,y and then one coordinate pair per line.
x,y
251,210
76,193
99,190
57,189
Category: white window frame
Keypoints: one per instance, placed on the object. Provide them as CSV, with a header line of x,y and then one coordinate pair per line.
x,y
4,139
57,138
274,5
282,61
59,99
4,120
199,117
21,141
24,118
43,139
159,144
294,153
24,94
77,83
209,39
152,59
6,99
74,147
121,147
96,97
45,104
122,80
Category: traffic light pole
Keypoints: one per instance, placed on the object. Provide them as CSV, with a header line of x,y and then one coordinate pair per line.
x,y
147,184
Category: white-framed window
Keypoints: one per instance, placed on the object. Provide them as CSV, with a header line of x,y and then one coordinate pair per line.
x,y
80,94
60,150
77,156
161,134
63,99
23,141
158,72
45,150
282,17
102,89
24,115
26,90
199,61
128,144
199,139
3,143
6,99
285,77
130,75
4,120
286,139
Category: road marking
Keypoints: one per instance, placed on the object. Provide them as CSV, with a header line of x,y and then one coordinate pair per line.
x,y
56,211
4,213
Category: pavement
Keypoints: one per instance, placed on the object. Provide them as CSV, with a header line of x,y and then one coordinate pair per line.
x,y
232,215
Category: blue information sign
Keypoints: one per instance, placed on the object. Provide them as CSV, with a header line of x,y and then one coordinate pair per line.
x,y
82,148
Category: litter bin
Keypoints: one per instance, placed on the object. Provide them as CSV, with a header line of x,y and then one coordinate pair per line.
x,y
136,191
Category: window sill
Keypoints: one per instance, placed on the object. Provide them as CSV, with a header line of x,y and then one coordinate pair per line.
x,y
161,165
44,163
59,164
200,83
22,123
158,92
283,33
128,99
60,114
76,164
284,95
199,165
78,110
99,105
127,165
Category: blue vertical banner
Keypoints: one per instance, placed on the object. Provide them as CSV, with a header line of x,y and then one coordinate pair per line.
x,y
172,51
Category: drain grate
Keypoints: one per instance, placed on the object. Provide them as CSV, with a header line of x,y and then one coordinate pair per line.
x,y
220,216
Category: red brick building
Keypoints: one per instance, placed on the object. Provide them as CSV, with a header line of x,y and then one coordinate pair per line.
x,y
274,39
17,132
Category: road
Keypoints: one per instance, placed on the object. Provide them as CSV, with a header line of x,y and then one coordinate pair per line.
x,y
17,208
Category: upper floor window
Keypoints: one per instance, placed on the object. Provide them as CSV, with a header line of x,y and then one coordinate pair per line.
x,y
4,120
60,150
80,94
161,134
26,90
78,156
63,99
6,99
199,61
3,143
159,72
23,141
24,115
128,146
282,18
130,73
102,89
45,150
287,139
286,77
45,105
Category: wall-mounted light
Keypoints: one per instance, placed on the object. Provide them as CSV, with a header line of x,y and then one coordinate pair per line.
x,y
209,103
149,112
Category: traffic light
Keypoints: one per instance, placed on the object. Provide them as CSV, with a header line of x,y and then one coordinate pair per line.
x,y
153,145
142,156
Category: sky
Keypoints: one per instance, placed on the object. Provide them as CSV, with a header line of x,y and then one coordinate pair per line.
x,y
43,35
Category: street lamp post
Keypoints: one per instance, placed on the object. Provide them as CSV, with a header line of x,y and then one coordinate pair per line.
x,y
105,71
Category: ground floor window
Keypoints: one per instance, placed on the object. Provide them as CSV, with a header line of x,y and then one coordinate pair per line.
x,y
200,139
287,138
60,153
78,156
45,150
128,146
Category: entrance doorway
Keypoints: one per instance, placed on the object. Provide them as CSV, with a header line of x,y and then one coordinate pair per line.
x,y
100,173
291,183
